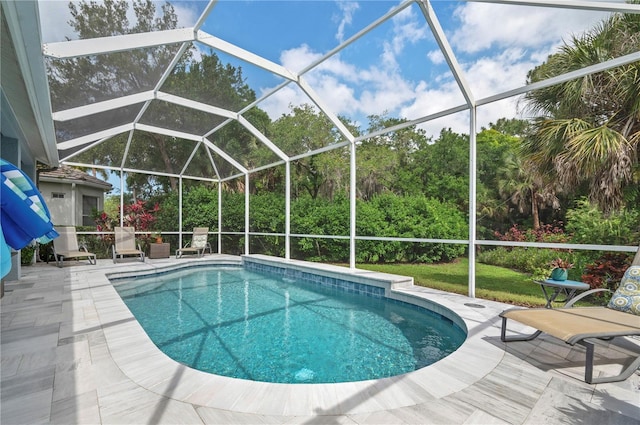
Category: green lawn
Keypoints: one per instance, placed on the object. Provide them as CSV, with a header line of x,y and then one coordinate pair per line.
x,y
492,283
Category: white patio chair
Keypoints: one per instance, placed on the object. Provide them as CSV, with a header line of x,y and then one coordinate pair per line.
x,y
198,243
66,246
125,244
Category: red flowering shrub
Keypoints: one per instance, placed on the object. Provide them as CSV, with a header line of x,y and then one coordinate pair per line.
x,y
135,215
607,271
546,233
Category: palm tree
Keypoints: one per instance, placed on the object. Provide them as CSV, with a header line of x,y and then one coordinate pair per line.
x,y
522,183
588,128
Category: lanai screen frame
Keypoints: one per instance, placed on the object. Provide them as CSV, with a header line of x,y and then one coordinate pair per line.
x,y
77,48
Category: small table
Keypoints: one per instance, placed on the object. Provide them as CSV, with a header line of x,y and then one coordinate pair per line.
x,y
569,287
159,250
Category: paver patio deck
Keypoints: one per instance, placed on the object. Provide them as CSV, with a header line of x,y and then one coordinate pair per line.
x,y
73,354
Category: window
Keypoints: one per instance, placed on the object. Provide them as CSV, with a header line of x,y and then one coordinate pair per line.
x,y
89,204
57,195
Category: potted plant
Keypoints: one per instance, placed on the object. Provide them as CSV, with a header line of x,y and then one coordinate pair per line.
x,y
559,268
27,255
158,237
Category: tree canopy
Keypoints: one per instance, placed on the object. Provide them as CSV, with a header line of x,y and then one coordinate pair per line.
x,y
588,130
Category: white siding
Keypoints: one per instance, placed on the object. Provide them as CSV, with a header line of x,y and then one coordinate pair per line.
x,y
66,212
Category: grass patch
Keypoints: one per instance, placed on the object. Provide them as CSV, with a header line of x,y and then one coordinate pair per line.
x,y
492,282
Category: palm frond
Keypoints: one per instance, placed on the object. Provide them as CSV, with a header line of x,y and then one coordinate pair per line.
x,y
591,148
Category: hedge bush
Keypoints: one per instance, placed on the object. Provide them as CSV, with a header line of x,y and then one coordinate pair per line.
x,y
384,215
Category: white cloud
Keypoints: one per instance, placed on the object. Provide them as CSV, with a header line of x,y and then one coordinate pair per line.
x,y
483,26
324,80
343,87
341,97
388,93
486,76
407,29
279,103
187,16
347,8
431,99
436,57
347,71
506,70
298,58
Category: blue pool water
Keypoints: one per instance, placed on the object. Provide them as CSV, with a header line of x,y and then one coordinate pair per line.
x,y
243,324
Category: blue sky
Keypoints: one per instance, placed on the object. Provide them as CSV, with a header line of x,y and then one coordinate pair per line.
x,y
397,68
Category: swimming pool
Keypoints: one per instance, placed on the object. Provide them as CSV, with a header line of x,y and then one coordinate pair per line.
x,y
266,327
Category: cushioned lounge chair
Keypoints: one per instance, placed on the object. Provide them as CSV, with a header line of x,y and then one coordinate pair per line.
x,y
66,246
586,325
198,243
125,244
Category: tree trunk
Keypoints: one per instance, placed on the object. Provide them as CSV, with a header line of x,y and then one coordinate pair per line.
x,y
534,210
162,147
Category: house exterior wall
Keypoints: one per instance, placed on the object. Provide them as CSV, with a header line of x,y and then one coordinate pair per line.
x,y
67,211
14,149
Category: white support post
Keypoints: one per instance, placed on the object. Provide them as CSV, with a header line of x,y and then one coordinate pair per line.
x,y
74,202
472,202
121,197
246,214
219,217
352,207
180,212
287,211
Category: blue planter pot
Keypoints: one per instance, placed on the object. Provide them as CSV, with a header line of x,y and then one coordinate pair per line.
x,y
559,274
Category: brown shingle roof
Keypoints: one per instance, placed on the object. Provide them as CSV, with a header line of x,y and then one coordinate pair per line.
x,y
64,172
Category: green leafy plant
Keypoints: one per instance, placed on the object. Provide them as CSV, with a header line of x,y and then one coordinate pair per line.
x,y
588,224
26,255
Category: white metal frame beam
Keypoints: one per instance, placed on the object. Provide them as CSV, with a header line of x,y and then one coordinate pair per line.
x,y
117,43
325,109
244,55
198,106
168,132
124,101
393,12
264,139
447,51
135,170
89,138
570,4
224,155
592,69
106,105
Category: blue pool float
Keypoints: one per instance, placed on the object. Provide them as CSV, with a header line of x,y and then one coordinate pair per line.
x,y
24,216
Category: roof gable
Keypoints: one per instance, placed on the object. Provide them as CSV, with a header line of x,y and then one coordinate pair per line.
x,y
66,173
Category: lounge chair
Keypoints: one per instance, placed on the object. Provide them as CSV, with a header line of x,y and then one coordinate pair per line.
x,y
66,246
198,243
125,244
586,325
